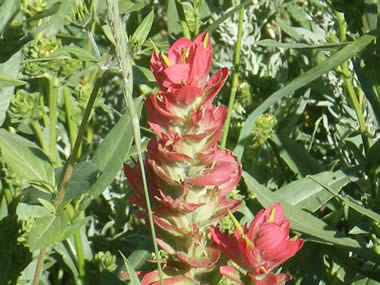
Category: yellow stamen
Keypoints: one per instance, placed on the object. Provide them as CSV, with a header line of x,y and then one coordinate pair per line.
x,y
185,53
205,41
155,48
166,59
240,229
271,216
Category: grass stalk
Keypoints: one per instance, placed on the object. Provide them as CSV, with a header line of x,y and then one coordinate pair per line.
x,y
53,94
125,63
235,78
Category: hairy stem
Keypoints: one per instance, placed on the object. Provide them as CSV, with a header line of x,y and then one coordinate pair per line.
x,y
235,79
125,63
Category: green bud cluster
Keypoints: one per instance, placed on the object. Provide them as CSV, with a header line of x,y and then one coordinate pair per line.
x,y
263,129
38,49
25,107
32,7
80,14
105,261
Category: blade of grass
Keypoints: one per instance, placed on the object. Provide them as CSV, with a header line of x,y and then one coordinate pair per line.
x,y
309,76
235,78
124,59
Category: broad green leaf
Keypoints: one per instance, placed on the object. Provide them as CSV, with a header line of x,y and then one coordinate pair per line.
x,y
6,81
299,220
83,177
25,158
67,258
308,195
309,76
11,69
25,211
138,257
349,201
306,223
8,9
142,75
75,227
74,51
127,7
142,32
111,153
46,231
295,156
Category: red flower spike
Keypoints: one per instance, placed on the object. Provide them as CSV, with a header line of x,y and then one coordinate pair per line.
x,y
188,176
269,246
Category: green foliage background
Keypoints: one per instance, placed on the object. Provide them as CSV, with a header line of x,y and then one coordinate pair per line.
x,y
304,124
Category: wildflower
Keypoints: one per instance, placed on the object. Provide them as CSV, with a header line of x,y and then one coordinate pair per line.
x,y
260,249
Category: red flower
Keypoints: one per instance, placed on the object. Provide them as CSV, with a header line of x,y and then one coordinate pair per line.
x,y
262,247
187,63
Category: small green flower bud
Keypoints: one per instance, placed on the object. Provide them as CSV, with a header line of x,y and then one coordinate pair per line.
x,y
80,14
264,128
25,107
32,7
38,49
105,261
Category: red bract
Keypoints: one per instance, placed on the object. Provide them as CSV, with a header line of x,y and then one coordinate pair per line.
x,y
261,248
188,176
187,63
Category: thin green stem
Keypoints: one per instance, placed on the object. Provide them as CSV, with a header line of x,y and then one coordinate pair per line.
x,y
37,130
53,94
125,63
197,19
347,79
78,244
182,20
71,124
235,79
70,163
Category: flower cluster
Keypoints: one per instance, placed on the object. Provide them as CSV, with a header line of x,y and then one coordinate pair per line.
x,y
189,177
261,248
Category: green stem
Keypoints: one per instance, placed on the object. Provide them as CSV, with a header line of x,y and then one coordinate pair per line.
x,y
235,79
53,93
71,125
78,244
68,169
197,19
37,130
182,20
125,63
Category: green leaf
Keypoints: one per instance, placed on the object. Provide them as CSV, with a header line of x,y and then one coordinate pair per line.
x,y
75,227
307,77
111,153
295,156
142,31
131,272
47,205
25,158
11,69
127,7
67,258
46,231
75,51
8,9
272,43
308,195
83,177
138,257
142,75
6,81
299,220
